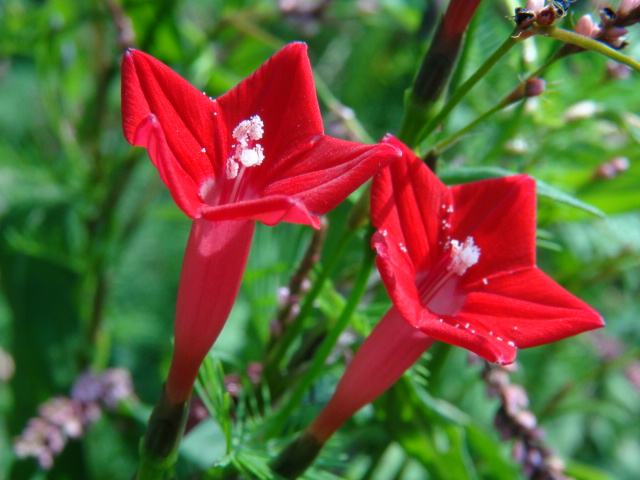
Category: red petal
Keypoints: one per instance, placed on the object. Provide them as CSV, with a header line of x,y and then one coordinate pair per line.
x,y
514,310
504,290
327,171
269,210
528,308
407,202
182,187
500,215
283,94
406,208
186,116
192,133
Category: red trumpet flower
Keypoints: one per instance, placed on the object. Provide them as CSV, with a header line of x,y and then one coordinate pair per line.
x,y
459,266
460,263
257,152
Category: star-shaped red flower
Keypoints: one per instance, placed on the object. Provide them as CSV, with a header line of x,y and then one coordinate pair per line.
x,y
460,263
257,152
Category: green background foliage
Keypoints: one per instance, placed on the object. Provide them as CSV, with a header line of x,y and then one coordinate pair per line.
x,y
91,242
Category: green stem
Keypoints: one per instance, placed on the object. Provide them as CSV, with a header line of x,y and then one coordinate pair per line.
x,y
159,446
587,43
320,357
447,142
295,327
297,456
450,140
467,86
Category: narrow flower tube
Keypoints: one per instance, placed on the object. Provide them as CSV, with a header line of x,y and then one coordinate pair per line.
x,y
391,348
215,256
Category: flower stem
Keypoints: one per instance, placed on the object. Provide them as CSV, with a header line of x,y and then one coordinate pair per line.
x,y
159,446
504,102
466,87
320,357
295,327
297,457
450,140
587,43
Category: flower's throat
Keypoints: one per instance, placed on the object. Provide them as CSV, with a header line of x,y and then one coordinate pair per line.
x,y
438,287
246,152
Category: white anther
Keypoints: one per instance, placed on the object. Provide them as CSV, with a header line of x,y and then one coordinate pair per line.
x,y
463,256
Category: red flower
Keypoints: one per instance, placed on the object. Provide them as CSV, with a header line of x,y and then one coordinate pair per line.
x,y
459,263
459,266
257,152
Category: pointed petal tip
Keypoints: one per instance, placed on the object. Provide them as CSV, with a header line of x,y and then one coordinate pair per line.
x,y
298,45
598,321
129,54
294,48
389,139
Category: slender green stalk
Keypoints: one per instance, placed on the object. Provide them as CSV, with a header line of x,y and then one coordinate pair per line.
x,y
294,460
504,102
587,43
159,446
320,357
451,139
294,328
467,86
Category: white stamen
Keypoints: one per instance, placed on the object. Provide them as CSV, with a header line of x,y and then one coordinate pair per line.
x,y
251,156
463,256
248,155
232,168
203,150
251,129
